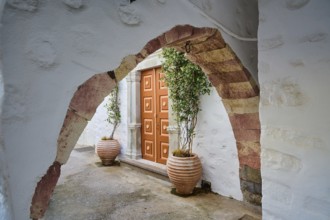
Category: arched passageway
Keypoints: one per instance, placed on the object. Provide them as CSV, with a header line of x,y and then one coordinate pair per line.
x,y
233,82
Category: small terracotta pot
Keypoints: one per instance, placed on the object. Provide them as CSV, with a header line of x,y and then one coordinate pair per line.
x,y
184,173
107,150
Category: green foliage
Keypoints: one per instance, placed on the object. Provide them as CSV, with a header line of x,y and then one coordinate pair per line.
x,y
113,110
186,83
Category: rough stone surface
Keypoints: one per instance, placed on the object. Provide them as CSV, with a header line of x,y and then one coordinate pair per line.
x,y
73,126
126,65
249,154
245,121
241,106
44,191
90,94
237,90
230,77
247,134
123,192
252,198
249,174
219,55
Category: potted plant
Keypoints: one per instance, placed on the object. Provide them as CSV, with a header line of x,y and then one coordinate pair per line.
x,y
108,148
186,83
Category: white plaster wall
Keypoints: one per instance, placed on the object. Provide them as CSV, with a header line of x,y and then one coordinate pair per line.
x,y
5,198
215,144
294,74
49,49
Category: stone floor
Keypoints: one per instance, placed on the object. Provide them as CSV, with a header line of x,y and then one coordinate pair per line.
x,y
87,190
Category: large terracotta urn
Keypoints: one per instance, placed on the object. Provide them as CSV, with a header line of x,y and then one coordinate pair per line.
x,y
108,150
184,173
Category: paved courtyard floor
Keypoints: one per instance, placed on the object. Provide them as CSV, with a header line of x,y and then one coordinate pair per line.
x,y
86,190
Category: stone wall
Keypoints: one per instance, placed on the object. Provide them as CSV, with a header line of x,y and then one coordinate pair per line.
x,y
294,72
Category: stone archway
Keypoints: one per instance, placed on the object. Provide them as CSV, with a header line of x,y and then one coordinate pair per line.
x,y
233,82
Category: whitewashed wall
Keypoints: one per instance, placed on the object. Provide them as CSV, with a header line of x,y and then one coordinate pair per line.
x,y
5,198
294,74
46,59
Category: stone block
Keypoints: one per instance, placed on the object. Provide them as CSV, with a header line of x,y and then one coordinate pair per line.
x,y
178,32
277,160
237,90
251,187
206,42
151,47
245,121
127,65
249,174
217,55
247,135
241,106
217,77
44,190
252,198
249,153
228,66
72,128
90,94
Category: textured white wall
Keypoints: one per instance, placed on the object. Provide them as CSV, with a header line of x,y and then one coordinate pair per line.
x,y
49,49
294,74
215,144
5,199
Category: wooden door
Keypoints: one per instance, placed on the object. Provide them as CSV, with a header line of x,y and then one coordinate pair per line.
x,y
154,116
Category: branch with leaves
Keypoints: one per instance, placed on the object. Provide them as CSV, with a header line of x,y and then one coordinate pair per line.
x,y
186,83
113,110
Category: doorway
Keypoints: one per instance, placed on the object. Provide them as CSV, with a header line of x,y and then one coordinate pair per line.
x,y
154,116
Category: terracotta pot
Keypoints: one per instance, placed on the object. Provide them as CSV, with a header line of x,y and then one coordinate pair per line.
x,y
184,173
107,150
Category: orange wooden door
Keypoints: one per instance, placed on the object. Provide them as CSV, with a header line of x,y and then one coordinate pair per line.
x,y
154,116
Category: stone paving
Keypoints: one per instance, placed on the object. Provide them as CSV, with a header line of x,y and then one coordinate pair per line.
x,y
87,190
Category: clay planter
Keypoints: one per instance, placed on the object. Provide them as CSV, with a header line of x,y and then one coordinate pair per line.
x,y
107,150
184,173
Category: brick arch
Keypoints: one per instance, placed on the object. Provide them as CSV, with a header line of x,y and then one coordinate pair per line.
x,y
233,82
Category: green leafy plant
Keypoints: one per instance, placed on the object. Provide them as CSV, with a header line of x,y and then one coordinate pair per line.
x,y
113,111
186,83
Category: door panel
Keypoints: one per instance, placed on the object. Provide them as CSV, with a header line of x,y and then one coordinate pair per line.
x,y
147,115
154,116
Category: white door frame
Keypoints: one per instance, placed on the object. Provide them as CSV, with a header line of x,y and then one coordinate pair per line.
x,y
133,79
